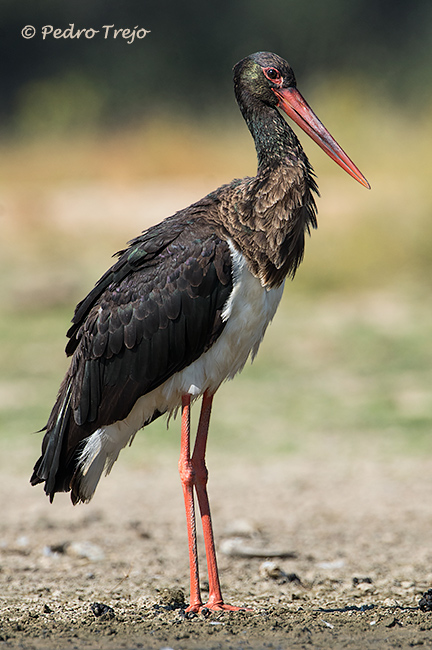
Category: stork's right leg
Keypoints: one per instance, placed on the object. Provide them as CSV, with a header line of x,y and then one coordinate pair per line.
x,y
187,479
215,601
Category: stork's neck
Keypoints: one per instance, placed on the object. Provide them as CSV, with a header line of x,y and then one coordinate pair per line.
x,y
275,142
267,215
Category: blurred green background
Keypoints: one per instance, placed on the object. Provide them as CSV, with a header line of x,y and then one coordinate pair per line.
x,y
101,138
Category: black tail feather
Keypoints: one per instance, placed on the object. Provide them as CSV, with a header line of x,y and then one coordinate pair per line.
x,y
47,467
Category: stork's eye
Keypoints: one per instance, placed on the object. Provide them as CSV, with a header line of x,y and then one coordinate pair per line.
x,y
272,74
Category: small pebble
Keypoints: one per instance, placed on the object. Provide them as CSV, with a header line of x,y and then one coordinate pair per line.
x,y
425,602
173,597
100,610
359,581
271,570
55,549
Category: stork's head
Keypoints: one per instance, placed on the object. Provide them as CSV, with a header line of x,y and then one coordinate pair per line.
x,y
266,78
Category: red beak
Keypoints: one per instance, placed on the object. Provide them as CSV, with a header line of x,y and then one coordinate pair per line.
x,y
297,108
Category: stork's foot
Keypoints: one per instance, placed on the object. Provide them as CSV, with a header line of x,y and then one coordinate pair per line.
x,y
194,608
214,606
222,607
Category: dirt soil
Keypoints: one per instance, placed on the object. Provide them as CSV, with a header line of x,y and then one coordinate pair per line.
x,y
338,555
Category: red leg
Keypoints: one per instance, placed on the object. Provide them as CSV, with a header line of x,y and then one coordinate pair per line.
x,y
215,601
188,480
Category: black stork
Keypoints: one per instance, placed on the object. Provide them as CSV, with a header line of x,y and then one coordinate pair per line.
x,y
184,307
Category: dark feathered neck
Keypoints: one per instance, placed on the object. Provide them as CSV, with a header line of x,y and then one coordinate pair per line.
x,y
266,217
277,206
275,142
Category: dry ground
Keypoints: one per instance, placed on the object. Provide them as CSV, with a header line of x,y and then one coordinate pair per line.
x,y
356,520
358,528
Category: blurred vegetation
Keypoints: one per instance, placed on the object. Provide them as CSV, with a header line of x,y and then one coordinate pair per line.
x,y
185,61
101,138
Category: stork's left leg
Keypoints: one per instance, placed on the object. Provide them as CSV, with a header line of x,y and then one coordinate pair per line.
x,y
215,601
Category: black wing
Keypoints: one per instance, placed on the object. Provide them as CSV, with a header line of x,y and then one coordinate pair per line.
x,y
151,315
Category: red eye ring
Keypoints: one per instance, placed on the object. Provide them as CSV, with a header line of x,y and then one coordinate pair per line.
x,y
273,75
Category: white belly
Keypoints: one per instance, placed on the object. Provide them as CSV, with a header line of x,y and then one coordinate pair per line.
x,y
247,313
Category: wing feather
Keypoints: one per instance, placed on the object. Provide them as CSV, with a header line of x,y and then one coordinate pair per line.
x,y
153,313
